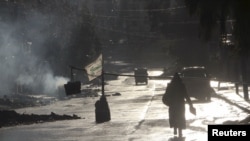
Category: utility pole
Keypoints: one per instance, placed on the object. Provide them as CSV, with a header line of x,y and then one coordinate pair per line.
x,y
101,106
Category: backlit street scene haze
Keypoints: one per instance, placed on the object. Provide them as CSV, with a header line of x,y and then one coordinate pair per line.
x,y
124,70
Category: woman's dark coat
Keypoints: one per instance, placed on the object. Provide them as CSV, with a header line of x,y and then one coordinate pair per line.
x,y
177,94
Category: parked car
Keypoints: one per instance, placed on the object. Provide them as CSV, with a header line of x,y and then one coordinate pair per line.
x,y
141,75
197,81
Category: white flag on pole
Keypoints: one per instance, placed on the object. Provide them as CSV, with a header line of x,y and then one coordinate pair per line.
x,y
94,69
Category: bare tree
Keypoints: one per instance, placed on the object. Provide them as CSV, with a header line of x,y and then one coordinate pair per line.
x,y
213,16
237,12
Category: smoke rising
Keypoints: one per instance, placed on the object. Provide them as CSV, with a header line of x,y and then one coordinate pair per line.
x,y
25,56
39,40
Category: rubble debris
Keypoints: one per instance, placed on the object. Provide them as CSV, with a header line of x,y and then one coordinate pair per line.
x,y
116,94
12,118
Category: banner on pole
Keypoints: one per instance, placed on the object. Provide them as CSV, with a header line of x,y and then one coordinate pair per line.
x,y
94,69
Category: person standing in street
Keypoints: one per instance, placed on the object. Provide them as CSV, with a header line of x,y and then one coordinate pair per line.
x,y
174,98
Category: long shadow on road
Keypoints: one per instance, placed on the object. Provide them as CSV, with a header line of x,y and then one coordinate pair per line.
x,y
232,103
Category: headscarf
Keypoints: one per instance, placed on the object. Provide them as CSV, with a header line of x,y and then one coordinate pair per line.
x,y
176,78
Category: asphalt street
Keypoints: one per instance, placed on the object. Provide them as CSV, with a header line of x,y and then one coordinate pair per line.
x,y
137,114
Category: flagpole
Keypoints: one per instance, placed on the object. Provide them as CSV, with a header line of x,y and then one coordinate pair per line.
x,y
103,77
102,111
103,83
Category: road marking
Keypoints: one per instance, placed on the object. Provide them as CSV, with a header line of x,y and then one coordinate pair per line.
x,y
145,111
149,103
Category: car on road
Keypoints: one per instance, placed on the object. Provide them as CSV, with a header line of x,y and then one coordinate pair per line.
x,y
141,75
197,81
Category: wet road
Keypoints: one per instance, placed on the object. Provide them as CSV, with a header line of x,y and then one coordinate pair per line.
x,y
136,115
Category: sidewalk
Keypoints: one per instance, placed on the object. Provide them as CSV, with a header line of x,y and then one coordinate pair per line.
x,y
229,95
228,92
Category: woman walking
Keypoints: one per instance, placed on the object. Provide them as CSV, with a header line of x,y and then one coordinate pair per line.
x,y
175,97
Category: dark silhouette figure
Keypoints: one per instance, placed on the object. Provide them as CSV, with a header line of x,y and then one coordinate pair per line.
x,y
176,96
102,110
